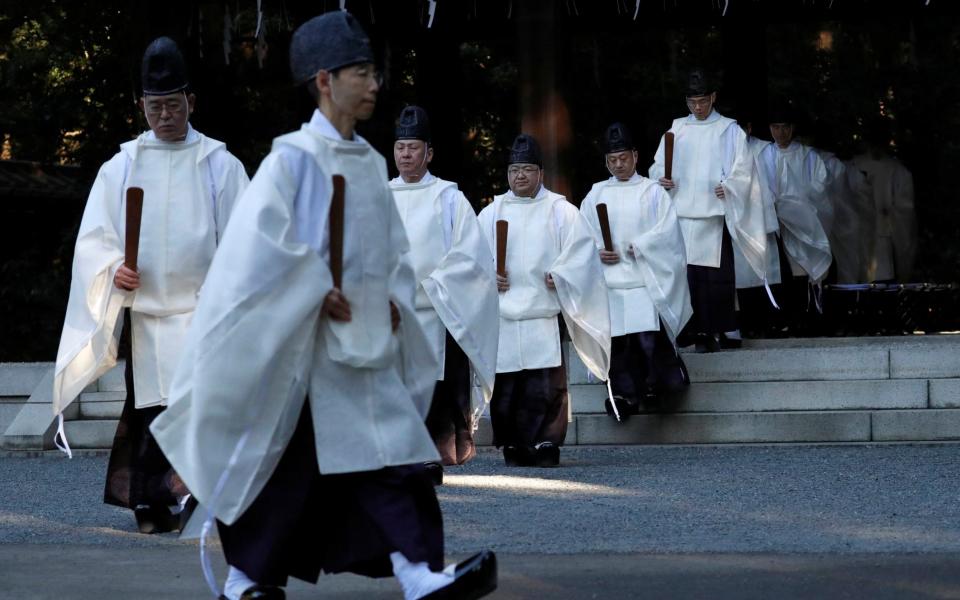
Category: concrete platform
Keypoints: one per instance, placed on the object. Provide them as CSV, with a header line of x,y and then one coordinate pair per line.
x,y
781,396
726,428
770,391
91,434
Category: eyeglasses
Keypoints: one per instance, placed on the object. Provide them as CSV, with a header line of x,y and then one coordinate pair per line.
x,y
155,109
527,170
699,103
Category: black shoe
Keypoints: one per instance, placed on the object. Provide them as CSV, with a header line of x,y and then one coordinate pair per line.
x,y
155,519
186,513
728,343
434,471
514,456
547,454
262,592
707,343
624,407
474,578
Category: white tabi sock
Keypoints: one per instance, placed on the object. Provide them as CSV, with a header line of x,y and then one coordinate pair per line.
x,y
416,579
181,503
733,335
237,583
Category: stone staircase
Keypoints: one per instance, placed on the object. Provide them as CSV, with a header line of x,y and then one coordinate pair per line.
x,y
797,390
826,390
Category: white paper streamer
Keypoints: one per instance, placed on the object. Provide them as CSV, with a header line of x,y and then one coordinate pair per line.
x,y
65,447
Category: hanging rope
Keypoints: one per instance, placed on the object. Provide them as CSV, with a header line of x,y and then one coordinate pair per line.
x,y
636,10
431,11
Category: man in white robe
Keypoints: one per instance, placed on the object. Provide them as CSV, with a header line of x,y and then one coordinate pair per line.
x,y
796,177
844,232
297,413
552,269
456,297
646,278
190,184
712,187
883,188
757,315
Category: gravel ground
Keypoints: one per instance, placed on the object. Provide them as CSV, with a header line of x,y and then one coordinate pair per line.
x,y
659,500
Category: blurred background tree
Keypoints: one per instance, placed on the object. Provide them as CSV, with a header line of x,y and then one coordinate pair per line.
x,y
69,80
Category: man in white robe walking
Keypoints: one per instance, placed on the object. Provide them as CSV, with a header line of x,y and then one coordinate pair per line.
x,y
190,185
883,188
712,187
646,278
757,316
297,414
796,177
552,269
456,298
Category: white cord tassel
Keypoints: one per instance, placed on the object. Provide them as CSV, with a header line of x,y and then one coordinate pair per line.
x,y
726,5
432,11
636,10
208,522
613,403
65,447
766,286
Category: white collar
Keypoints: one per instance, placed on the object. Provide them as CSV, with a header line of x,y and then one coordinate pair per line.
x,y
425,180
322,125
793,147
634,179
541,193
713,116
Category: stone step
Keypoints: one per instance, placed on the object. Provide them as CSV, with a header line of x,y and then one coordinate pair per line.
x,y
882,394
101,405
772,427
921,357
20,379
91,434
835,426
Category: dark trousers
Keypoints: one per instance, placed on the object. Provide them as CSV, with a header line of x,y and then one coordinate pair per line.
x,y
798,308
449,418
712,293
303,522
138,473
529,407
645,362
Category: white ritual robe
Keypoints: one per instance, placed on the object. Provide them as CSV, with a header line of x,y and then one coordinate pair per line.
x,y
190,188
888,229
844,234
650,281
797,178
547,234
456,290
707,153
746,276
258,345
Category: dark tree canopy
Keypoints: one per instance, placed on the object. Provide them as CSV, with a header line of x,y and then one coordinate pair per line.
x,y
69,80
